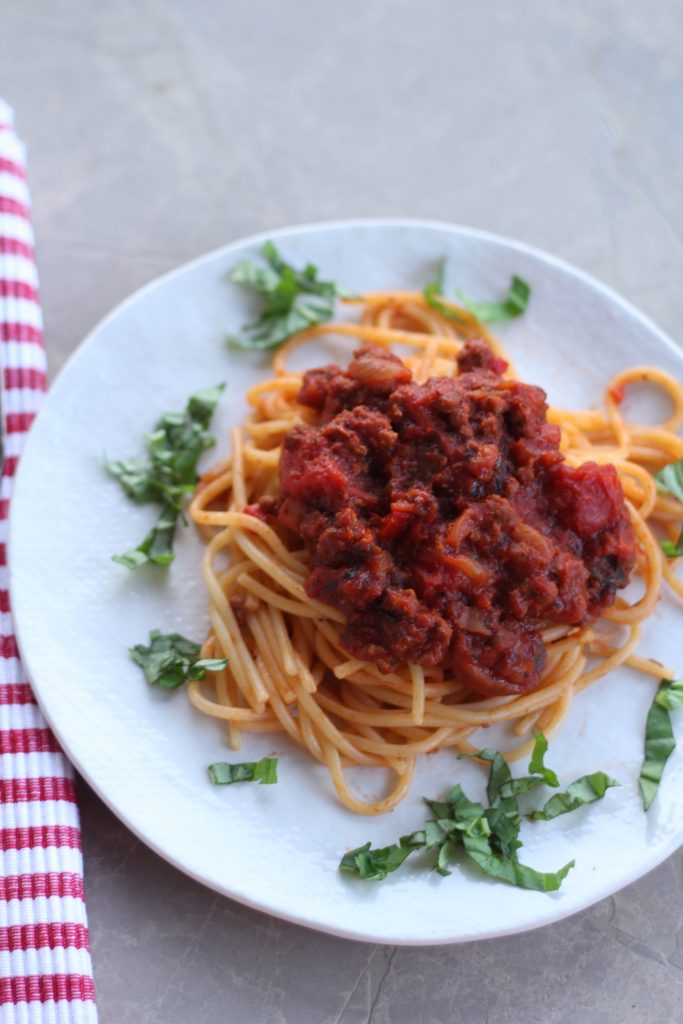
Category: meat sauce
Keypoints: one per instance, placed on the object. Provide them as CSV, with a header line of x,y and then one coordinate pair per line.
x,y
443,521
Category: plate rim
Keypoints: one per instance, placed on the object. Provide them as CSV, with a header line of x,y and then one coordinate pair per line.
x,y
310,227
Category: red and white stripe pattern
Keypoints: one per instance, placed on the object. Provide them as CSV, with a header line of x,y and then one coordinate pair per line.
x,y
45,968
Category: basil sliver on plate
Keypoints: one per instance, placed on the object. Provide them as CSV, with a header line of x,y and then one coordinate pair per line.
x,y
167,475
488,836
222,773
291,299
513,305
669,480
659,737
170,660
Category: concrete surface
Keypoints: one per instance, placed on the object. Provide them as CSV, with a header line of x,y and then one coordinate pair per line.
x,y
158,130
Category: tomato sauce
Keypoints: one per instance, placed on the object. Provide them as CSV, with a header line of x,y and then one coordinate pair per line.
x,y
443,521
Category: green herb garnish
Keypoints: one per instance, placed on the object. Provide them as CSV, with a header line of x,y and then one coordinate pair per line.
x,y
509,869
659,737
536,765
585,790
671,549
670,480
264,771
167,474
157,546
430,292
375,865
514,303
292,299
171,660
489,836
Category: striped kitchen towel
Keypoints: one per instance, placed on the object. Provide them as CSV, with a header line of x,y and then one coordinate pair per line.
x,y
45,968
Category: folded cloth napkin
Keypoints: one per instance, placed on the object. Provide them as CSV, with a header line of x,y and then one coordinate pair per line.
x,y
45,967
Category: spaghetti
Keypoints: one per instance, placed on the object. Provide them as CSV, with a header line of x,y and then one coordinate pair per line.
x,y
288,670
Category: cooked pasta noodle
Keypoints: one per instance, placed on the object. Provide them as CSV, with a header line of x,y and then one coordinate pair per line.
x,y
287,668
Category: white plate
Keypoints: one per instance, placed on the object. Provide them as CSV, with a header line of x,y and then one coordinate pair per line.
x,y
145,751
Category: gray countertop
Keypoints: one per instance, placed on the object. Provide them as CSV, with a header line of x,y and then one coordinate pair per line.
x,y
158,130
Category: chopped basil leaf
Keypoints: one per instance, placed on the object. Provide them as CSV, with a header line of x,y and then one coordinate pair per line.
x,y
264,771
504,821
157,546
202,405
670,694
536,765
585,790
134,477
659,737
508,869
499,773
487,835
167,474
292,299
429,294
670,480
444,857
503,815
514,303
375,865
672,550
435,288
171,660
457,807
